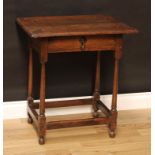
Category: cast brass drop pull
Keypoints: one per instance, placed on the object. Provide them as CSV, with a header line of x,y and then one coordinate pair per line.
x,y
82,43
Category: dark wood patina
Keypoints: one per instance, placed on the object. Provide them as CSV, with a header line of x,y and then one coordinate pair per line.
x,y
84,33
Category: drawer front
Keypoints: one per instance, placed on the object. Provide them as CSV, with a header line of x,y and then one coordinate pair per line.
x,y
79,44
64,44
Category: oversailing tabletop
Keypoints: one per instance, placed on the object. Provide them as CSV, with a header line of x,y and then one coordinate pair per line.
x,y
56,26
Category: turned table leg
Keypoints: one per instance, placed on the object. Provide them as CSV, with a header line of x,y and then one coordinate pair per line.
x,y
96,95
112,124
30,82
113,118
42,118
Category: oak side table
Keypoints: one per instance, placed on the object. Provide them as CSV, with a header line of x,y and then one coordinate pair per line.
x,y
80,33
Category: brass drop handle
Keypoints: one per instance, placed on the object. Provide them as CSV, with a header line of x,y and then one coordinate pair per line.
x,y
82,42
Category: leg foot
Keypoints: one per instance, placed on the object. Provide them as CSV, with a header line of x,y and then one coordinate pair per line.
x,y
112,134
29,120
95,114
41,140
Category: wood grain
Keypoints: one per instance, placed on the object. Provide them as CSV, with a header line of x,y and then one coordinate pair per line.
x,y
133,137
72,44
68,34
52,26
76,123
65,103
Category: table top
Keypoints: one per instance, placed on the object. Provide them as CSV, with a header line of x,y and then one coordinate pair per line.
x,y
56,26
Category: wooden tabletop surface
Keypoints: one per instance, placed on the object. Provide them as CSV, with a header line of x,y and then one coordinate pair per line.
x,y
52,26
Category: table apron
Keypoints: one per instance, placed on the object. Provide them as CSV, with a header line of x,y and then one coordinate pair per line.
x,y
78,43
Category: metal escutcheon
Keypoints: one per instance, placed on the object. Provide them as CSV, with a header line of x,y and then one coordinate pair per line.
x,y
82,42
